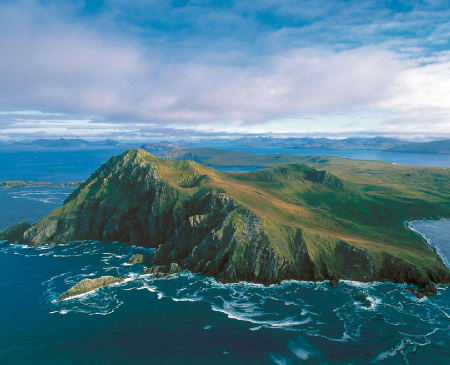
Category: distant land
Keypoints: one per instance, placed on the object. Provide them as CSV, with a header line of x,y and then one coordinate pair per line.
x,y
160,146
23,184
61,143
429,147
308,218
376,143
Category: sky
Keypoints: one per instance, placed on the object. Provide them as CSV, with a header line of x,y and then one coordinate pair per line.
x,y
165,70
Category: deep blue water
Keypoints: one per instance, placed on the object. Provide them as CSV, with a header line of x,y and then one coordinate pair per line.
x,y
57,166
191,319
30,203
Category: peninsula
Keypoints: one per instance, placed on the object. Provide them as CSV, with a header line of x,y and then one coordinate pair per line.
x,y
285,222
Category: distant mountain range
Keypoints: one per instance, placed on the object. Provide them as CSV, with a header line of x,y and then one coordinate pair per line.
x,y
429,147
377,143
160,146
61,143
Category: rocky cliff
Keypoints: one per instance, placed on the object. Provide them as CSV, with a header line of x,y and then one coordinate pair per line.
x,y
214,223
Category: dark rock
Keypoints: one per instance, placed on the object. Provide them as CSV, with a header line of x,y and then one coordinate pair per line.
x,y
159,272
334,281
361,297
428,291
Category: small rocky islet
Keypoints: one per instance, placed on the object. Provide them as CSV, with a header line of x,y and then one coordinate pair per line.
x,y
289,222
88,285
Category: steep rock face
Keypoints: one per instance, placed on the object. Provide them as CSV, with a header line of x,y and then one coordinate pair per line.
x,y
125,201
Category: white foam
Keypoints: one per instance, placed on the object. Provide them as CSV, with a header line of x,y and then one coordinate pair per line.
x,y
391,352
255,328
82,295
66,255
187,299
300,353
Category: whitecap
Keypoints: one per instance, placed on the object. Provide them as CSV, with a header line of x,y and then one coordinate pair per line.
x,y
255,328
399,347
186,299
299,352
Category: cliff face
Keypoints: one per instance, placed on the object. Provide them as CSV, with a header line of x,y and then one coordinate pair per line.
x,y
125,201
181,209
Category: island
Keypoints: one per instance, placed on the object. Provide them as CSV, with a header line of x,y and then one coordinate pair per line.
x,y
87,285
323,219
23,184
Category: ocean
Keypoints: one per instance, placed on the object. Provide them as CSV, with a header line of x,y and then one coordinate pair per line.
x,y
190,319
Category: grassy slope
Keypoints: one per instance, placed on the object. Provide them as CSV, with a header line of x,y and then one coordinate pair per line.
x,y
369,212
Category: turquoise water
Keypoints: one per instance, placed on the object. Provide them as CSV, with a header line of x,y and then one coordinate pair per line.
x,y
189,319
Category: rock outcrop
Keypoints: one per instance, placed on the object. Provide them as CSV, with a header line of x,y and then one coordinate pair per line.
x,y
138,258
159,272
88,285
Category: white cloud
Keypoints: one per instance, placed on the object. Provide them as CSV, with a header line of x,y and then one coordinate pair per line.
x,y
53,61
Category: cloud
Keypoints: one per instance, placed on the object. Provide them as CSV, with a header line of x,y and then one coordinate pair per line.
x,y
195,66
